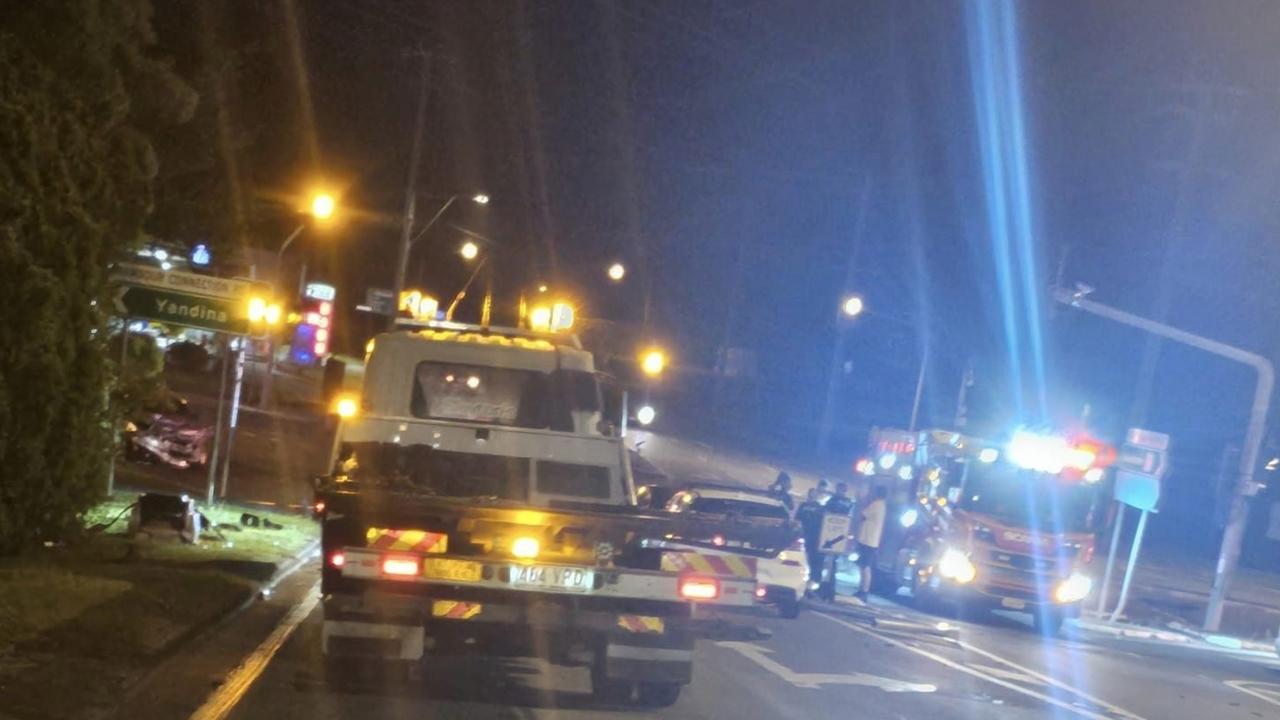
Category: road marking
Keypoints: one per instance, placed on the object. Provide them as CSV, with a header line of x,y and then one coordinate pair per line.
x,y
982,675
1266,692
222,701
1010,675
1048,680
815,681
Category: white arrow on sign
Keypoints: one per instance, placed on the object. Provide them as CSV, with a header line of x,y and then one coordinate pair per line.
x,y
815,681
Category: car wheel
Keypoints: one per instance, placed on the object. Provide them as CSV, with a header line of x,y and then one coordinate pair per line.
x,y
789,608
611,691
659,694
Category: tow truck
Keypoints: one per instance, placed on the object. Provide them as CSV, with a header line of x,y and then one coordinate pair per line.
x,y
977,524
480,502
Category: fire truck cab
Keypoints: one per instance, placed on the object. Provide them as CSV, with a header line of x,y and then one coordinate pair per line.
x,y
977,524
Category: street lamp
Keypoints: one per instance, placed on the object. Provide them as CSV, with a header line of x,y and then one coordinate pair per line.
x,y
322,206
852,306
408,238
652,362
469,250
617,271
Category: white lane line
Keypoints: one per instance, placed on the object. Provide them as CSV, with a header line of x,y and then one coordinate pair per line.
x,y
970,671
815,681
1271,695
1048,680
222,701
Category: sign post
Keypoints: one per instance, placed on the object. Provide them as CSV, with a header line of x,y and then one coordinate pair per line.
x,y
196,301
1140,466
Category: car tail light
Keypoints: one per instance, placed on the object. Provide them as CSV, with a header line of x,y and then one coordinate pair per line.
x,y
760,591
401,565
318,507
337,559
797,546
699,588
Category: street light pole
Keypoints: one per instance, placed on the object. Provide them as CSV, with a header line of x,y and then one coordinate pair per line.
x,y
1245,487
411,191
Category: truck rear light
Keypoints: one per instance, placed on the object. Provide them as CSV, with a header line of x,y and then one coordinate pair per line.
x,y
337,559
401,565
699,588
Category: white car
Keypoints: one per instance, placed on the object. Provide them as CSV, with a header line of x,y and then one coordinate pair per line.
x,y
780,580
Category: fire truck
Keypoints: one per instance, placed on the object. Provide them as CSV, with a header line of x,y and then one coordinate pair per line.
x,y
979,524
479,502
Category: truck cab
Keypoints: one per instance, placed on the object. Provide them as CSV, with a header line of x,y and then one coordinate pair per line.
x,y
1000,526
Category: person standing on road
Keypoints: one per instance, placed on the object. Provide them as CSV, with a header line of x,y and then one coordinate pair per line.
x,y
781,489
809,515
869,534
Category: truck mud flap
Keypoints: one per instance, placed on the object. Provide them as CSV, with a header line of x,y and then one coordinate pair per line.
x,y
649,657
345,638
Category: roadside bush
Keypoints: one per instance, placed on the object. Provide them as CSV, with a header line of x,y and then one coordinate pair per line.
x,y
75,174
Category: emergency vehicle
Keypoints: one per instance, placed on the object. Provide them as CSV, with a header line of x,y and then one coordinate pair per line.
x,y
480,501
991,525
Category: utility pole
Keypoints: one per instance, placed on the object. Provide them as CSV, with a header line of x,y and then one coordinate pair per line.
x,y
837,352
1245,487
411,188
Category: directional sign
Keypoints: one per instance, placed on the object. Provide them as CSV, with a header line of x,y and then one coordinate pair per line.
x,y
1140,465
1142,460
834,537
188,299
218,314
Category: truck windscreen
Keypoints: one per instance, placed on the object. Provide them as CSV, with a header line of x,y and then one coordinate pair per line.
x,y
1026,498
509,397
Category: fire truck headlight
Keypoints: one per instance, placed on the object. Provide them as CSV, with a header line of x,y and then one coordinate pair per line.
x,y
1074,589
908,517
955,565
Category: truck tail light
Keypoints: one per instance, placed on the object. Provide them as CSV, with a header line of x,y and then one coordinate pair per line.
x,y
337,559
401,565
694,588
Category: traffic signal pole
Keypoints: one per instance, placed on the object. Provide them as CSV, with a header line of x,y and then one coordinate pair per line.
x,y
1245,487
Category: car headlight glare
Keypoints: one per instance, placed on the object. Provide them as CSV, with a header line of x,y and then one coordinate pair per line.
x,y
955,565
1074,589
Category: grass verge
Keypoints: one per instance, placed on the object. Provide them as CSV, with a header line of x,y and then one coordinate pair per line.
x,y
77,622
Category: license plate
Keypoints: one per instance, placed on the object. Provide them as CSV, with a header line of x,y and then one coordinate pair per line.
x,y
446,569
573,579
1013,604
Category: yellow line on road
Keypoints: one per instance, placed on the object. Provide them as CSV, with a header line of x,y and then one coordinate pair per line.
x,y
222,701
978,673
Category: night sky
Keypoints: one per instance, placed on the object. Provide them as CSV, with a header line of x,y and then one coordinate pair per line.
x,y
724,151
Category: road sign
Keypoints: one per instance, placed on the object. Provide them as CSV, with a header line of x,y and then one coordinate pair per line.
x,y
380,301
218,314
187,299
1141,460
1149,439
834,537
1140,465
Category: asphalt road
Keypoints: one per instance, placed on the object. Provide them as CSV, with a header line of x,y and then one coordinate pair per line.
x,y
831,662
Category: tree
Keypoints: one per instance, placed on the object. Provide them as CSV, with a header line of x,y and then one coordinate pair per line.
x,y
78,93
